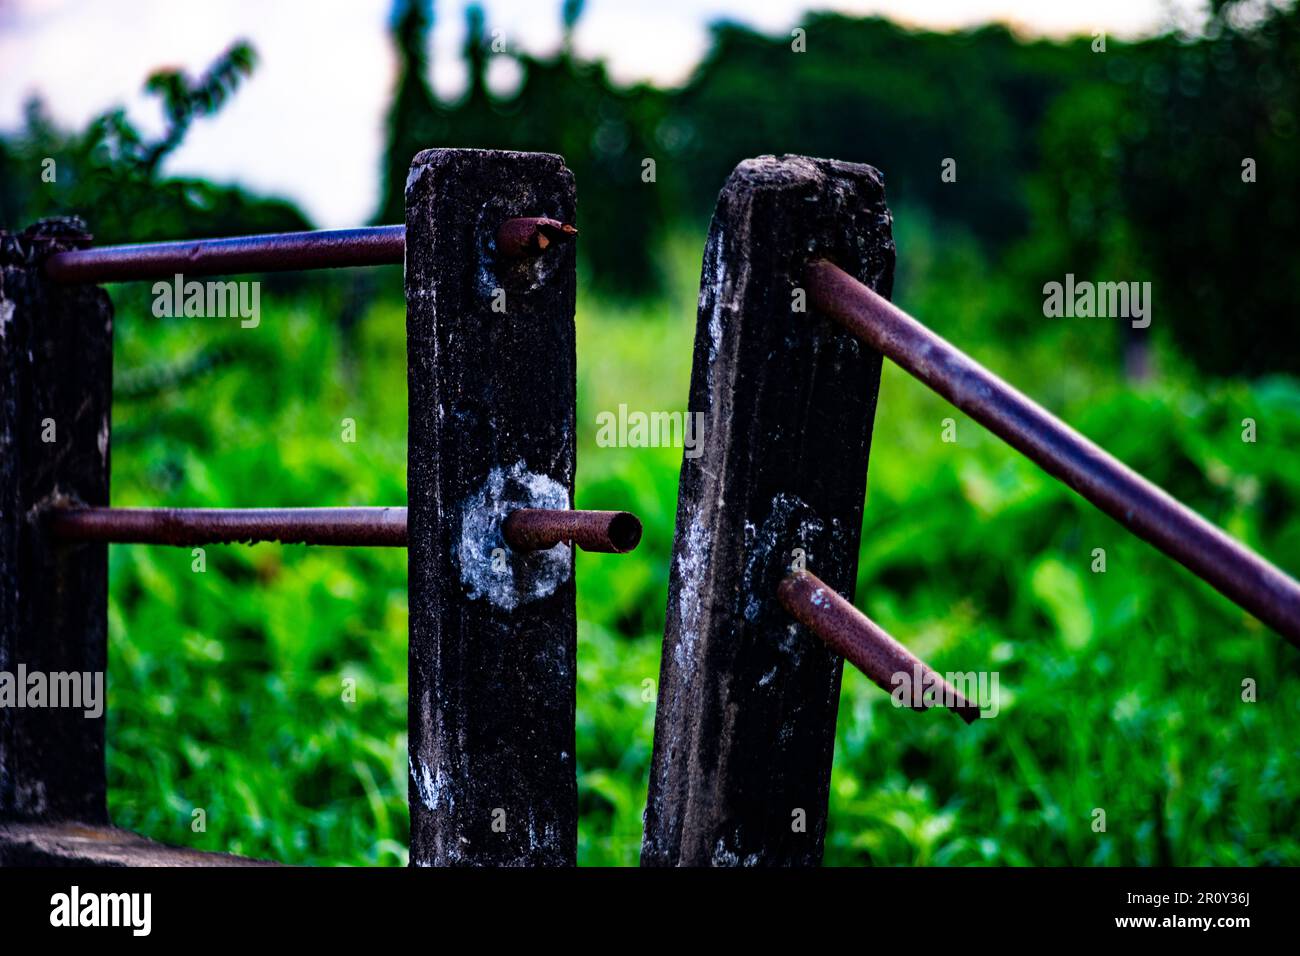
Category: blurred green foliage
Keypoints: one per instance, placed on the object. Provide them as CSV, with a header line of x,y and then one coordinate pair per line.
x,y
1121,691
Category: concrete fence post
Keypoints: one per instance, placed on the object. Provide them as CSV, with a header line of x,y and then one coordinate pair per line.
x,y
56,372
492,382
745,725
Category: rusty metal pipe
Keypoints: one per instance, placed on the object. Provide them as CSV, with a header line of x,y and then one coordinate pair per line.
x,y
864,644
278,252
525,530
187,527
537,529
1237,572
532,235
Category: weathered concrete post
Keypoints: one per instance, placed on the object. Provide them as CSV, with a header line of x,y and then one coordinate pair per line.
x,y
745,727
490,349
56,369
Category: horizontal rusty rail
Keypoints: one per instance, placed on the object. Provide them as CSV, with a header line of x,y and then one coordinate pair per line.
x,y
277,252
1234,570
536,529
866,645
281,252
613,532
361,527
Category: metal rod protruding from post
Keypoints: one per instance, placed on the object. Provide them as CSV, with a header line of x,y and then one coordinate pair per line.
x,y
863,643
1234,570
606,532
188,527
277,252
532,235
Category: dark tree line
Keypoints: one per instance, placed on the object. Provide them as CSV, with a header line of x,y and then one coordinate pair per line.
x,y
1172,160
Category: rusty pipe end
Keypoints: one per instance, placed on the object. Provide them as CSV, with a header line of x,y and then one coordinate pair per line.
x,y
863,643
622,532
538,529
532,235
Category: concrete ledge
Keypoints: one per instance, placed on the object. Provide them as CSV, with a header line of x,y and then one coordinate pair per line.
x,y
78,844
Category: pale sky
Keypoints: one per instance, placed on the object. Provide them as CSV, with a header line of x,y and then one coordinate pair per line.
x,y
323,150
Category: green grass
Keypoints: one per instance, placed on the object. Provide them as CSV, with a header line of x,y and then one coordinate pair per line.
x,y
1120,691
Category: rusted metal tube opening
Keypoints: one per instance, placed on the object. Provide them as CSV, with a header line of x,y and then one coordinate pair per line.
x,y
277,252
865,645
537,529
1236,571
187,527
532,235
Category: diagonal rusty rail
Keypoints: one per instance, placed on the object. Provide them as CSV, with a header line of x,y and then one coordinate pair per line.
x,y
1152,514
866,645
